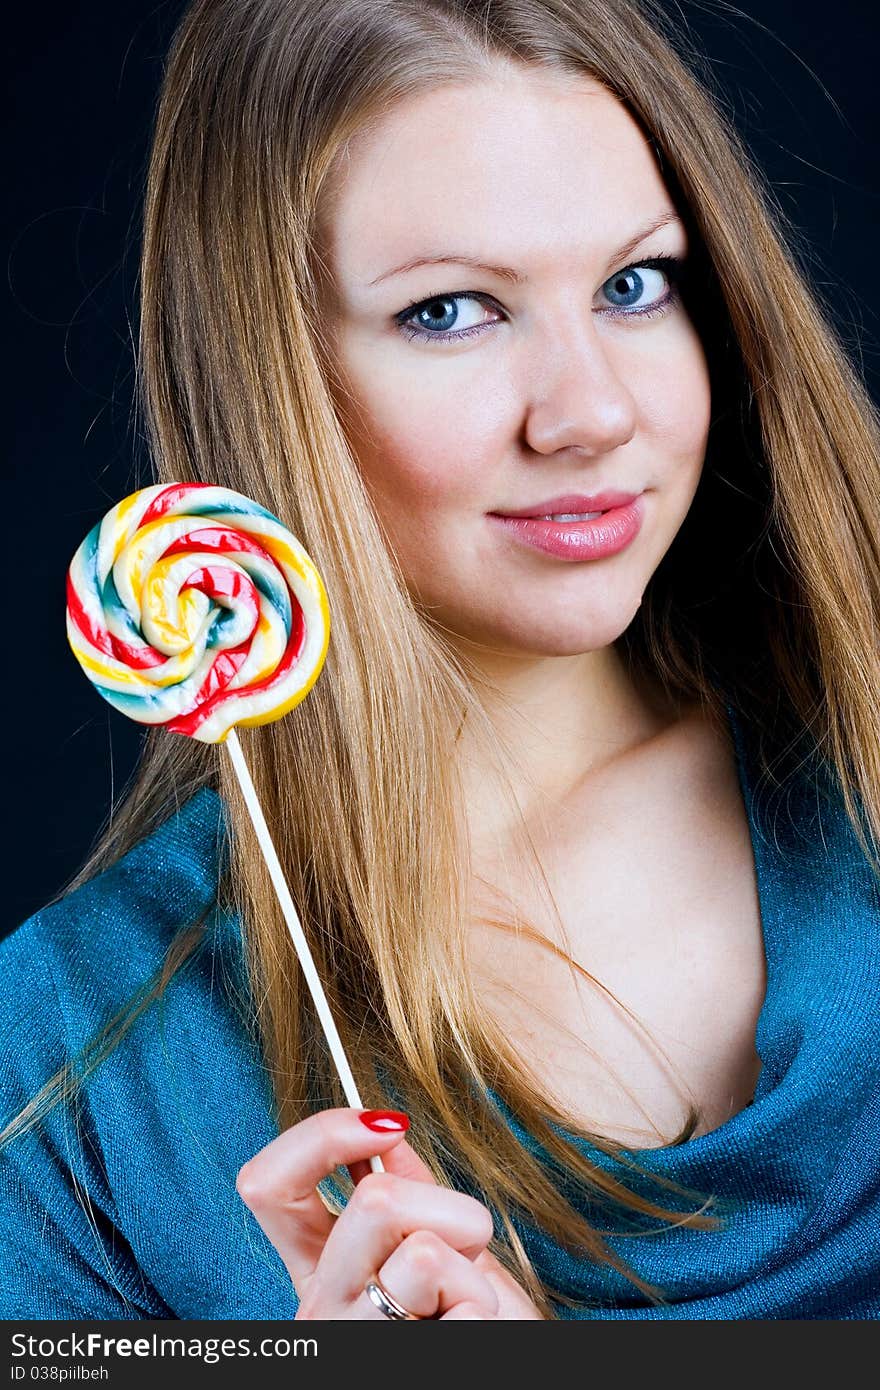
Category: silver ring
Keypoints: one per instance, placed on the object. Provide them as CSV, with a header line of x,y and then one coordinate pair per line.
x,y
382,1300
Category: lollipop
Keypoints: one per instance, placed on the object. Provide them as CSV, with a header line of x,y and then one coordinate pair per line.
x,y
193,608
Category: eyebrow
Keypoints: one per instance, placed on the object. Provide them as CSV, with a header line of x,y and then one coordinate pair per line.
x,y
506,272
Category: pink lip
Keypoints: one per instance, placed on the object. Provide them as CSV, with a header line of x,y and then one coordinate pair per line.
x,y
578,540
576,502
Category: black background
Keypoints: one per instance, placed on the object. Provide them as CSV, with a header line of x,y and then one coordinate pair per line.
x,y
800,82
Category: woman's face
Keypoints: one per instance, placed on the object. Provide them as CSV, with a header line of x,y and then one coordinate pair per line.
x,y
560,383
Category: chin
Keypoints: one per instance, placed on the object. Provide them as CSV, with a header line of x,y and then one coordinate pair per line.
x,y
557,646
569,627
574,631
569,638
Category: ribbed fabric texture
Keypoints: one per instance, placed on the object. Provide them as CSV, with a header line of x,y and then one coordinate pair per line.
x,y
124,1204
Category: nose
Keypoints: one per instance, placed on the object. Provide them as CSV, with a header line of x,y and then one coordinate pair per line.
x,y
578,400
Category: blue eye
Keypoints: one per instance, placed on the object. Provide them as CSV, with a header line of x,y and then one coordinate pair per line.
x,y
630,288
439,313
633,294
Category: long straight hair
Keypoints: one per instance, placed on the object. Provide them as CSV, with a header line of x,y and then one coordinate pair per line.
x,y
779,616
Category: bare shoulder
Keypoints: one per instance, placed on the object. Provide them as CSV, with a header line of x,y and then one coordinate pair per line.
x,y
679,784
650,867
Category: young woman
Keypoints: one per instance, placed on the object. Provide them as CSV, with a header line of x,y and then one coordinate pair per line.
x,y
582,816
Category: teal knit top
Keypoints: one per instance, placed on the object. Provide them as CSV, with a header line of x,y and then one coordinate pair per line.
x,y
123,1203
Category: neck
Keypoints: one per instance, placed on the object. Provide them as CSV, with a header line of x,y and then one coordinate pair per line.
x,y
556,719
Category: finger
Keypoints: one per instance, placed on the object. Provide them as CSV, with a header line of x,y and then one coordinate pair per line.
x,y
427,1277
359,1170
471,1312
278,1184
402,1160
514,1303
381,1213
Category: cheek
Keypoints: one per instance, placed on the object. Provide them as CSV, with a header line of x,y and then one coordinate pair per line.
x,y
424,441
676,401
410,460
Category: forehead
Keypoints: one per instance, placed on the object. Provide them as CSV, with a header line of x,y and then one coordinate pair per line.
x,y
532,167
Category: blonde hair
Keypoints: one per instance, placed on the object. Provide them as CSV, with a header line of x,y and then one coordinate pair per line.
x,y
780,619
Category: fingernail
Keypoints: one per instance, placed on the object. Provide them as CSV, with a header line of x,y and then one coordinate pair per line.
x,y
384,1121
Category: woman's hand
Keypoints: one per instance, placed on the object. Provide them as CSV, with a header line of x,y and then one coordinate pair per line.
x,y
424,1243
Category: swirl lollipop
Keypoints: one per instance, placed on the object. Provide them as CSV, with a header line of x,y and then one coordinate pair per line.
x,y
191,607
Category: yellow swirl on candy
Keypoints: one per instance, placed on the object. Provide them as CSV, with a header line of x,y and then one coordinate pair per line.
x,y
192,607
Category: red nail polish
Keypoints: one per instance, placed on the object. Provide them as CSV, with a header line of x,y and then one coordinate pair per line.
x,y
384,1121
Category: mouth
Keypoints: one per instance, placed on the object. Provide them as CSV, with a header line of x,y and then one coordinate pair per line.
x,y
569,516
568,529
572,506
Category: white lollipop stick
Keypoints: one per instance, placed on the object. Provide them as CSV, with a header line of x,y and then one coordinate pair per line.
x,y
258,820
